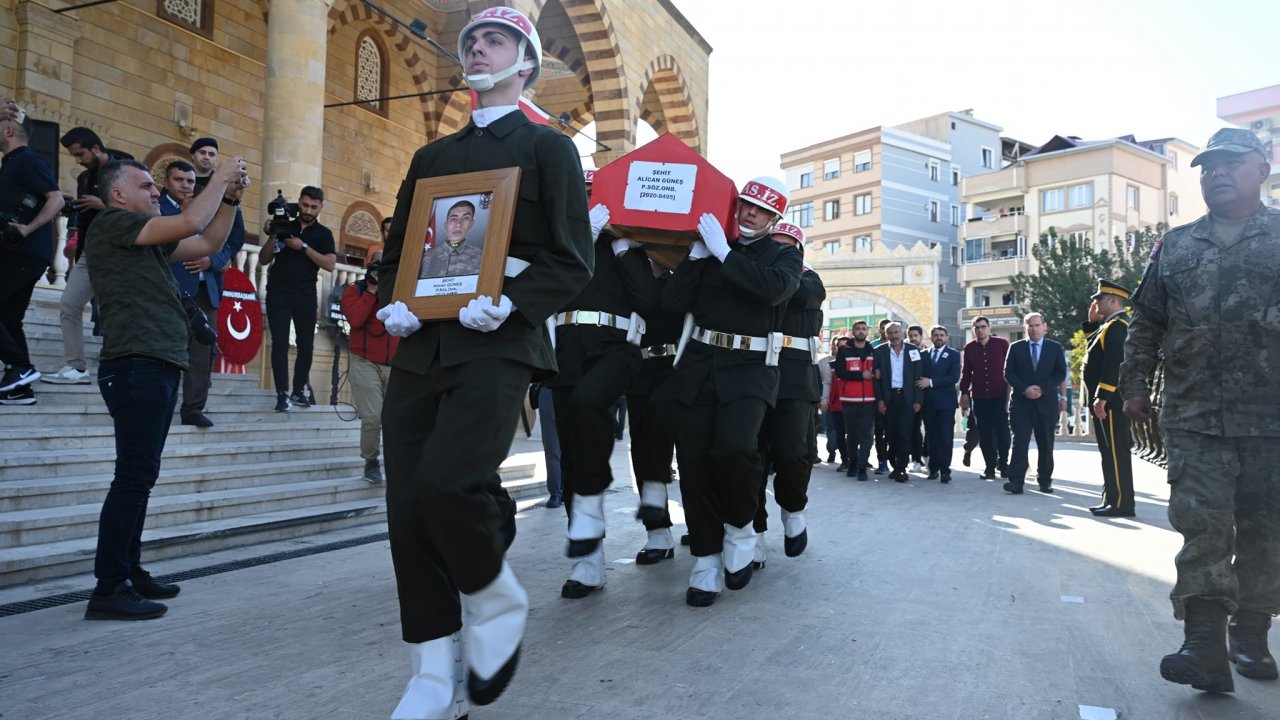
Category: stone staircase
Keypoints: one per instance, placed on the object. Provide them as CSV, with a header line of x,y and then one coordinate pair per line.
x,y
256,476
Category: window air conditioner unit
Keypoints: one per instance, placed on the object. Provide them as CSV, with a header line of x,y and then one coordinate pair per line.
x,y
1263,124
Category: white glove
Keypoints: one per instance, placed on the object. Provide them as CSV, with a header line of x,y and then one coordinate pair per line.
x,y
713,235
599,217
698,250
622,245
482,315
399,321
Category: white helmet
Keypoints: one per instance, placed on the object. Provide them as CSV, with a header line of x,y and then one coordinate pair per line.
x,y
515,21
791,231
769,193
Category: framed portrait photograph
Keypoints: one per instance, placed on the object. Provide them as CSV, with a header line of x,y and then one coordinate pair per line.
x,y
456,240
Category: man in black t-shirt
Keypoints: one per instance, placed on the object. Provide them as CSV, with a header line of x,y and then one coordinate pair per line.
x,y
29,199
291,294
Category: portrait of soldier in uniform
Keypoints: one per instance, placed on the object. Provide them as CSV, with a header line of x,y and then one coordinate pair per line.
x,y
457,241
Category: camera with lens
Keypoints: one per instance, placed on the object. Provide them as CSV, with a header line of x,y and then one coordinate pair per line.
x,y
70,212
22,213
201,330
284,222
370,274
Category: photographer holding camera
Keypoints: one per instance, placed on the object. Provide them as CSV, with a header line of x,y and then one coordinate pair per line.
x,y
144,351
296,247
371,351
29,199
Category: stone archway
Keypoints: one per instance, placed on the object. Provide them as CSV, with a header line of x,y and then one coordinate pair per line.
x,y
666,105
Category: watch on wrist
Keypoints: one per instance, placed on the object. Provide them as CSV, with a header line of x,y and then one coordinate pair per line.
x,y
228,201
305,247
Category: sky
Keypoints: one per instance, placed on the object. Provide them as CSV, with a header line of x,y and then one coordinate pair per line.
x,y
785,75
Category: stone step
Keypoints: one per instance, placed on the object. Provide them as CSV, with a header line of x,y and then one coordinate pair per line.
x,y
76,415
221,393
94,461
313,425
70,556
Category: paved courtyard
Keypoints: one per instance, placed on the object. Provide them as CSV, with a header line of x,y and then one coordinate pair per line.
x,y
915,601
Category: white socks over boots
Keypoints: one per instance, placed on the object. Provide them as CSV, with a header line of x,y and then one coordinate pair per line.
x,y
493,626
586,524
437,690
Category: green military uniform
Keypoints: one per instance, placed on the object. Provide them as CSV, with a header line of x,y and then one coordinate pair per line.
x,y
455,394
1104,353
1212,305
444,260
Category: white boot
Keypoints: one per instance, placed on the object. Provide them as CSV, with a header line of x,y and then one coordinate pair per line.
x,y
493,624
437,689
739,547
660,539
796,529
586,524
653,500
758,560
589,569
708,574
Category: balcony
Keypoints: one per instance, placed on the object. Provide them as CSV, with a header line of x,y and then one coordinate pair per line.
x,y
993,184
995,266
994,226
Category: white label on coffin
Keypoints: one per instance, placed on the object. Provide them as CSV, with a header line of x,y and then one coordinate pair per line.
x,y
660,187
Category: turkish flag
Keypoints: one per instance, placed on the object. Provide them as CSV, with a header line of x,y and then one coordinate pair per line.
x,y
239,319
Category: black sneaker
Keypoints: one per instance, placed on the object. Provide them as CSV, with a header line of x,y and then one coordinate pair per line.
x,y
123,603
282,402
25,395
372,472
300,399
149,588
16,377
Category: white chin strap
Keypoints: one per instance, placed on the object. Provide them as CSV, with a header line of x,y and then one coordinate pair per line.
x,y
747,233
485,82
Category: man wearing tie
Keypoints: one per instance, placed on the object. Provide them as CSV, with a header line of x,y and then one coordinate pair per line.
x,y
897,398
1034,368
941,373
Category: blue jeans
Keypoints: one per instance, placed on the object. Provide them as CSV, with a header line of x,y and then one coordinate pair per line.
x,y
140,394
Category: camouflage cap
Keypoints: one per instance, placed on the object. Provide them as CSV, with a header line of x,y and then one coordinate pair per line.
x,y
1232,140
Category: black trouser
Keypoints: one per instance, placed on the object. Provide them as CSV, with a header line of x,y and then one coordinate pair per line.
x,y
653,440
940,431
993,430
721,467
788,431
882,440
918,447
1114,441
859,424
585,423
19,274
298,307
445,433
1030,418
897,429
199,373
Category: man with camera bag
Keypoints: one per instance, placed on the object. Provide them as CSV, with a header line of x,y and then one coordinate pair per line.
x,y
296,247
29,199
144,351
200,282
371,352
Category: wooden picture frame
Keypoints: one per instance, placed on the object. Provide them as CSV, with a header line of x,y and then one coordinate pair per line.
x,y
438,276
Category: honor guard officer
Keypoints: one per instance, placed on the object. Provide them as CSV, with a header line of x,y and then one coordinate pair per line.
x,y
726,379
790,433
1108,327
1208,302
456,387
597,335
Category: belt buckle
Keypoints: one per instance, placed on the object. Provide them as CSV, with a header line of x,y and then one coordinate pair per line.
x,y
719,339
657,351
744,342
587,317
786,341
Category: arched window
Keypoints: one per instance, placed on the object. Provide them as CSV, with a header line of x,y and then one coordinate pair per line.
x,y
194,15
371,72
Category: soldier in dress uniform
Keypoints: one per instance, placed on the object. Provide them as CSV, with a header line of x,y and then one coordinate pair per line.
x,y
726,380
1108,327
597,349
1208,286
457,387
790,435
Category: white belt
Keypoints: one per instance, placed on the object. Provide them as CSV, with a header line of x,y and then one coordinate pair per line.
x,y
796,343
730,341
593,317
515,266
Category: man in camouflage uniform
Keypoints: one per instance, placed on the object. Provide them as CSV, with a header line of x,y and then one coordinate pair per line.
x,y
1209,286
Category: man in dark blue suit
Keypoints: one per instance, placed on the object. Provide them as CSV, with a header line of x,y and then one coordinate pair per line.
x,y
899,366
941,373
201,280
1035,367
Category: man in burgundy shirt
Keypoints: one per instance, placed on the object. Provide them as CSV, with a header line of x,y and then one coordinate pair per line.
x,y
983,386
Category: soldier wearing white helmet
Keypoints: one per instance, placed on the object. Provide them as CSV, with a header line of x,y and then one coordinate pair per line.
x,y
790,433
726,379
457,386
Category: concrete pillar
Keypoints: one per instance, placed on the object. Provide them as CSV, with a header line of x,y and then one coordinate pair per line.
x,y
293,128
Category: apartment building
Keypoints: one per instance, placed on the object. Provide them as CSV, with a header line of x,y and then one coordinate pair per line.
x,y
1259,110
1090,190
881,208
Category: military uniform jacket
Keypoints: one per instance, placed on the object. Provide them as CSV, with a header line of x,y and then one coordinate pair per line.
x,y
664,326
801,319
1103,355
578,345
744,295
1213,308
550,231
